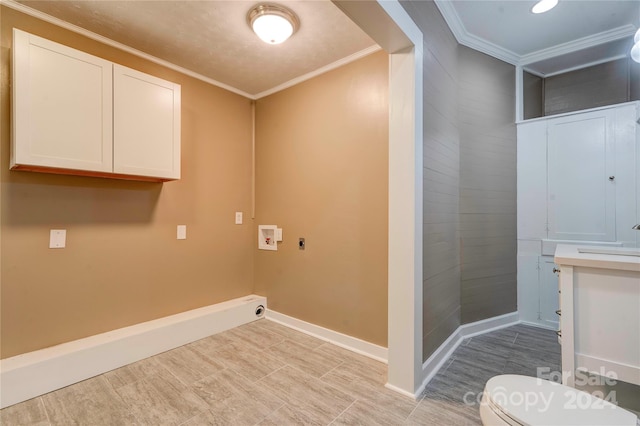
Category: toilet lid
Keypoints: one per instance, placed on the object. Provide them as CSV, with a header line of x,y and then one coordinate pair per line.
x,y
531,401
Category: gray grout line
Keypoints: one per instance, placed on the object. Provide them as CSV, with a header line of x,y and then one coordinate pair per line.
x,y
343,411
44,407
416,407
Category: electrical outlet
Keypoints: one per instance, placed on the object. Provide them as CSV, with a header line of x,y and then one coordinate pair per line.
x,y
182,232
238,218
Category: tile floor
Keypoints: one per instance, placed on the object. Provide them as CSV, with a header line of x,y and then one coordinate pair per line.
x,y
264,373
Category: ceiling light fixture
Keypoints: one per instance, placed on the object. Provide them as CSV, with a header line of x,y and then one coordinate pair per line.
x,y
635,50
272,23
544,6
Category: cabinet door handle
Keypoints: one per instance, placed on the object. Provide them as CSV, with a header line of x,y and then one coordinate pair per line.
x,y
559,333
555,270
612,178
559,312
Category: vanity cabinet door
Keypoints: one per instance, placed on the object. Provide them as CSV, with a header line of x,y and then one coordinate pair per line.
x,y
62,100
548,293
146,139
581,177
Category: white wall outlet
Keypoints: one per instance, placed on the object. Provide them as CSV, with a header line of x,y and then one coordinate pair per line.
x,y
182,232
58,238
238,218
278,234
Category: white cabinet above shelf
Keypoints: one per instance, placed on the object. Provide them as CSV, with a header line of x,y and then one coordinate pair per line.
x,y
75,113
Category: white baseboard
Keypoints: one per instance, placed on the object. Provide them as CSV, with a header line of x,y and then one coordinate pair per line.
x,y
431,366
379,353
539,325
35,373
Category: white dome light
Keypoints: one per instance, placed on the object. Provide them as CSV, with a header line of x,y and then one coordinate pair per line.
x,y
544,6
635,50
272,23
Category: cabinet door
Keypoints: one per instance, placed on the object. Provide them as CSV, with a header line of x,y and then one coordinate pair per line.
x,y
146,125
581,197
548,293
532,180
62,100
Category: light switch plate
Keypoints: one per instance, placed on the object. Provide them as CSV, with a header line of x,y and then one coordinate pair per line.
x,y
238,218
278,234
182,232
58,238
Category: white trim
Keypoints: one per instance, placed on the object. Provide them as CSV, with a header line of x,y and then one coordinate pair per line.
x,y
401,391
579,44
437,359
445,350
463,37
519,94
587,65
26,376
489,324
405,275
450,15
566,114
97,37
371,350
337,64
491,49
539,325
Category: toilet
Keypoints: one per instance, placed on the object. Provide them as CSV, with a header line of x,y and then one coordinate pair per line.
x,y
521,400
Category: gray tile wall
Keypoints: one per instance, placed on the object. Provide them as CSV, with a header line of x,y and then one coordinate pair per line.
x,y
441,243
604,84
533,95
486,102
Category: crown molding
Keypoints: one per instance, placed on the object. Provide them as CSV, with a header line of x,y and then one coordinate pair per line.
x,y
452,19
465,38
97,37
322,70
579,44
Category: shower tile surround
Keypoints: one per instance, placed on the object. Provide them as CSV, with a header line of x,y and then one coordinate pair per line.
x,y
265,373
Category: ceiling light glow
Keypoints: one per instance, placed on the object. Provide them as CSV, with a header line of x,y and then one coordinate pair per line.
x,y
272,23
635,50
544,6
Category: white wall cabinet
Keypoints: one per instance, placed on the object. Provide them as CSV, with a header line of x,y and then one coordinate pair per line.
x,y
577,184
75,113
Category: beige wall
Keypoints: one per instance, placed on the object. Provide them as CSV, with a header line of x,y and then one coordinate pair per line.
x,y
123,264
322,174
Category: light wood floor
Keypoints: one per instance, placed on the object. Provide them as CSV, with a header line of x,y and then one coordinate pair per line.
x,y
264,373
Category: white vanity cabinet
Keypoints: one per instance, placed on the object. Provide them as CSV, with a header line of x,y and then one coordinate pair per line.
x,y
74,113
577,184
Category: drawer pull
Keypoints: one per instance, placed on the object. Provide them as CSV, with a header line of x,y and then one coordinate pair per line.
x,y
556,270
559,333
559,312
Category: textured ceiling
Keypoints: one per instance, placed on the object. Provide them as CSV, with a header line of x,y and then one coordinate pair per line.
x,y
212,38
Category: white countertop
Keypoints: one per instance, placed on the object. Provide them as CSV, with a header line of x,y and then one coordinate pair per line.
x,y
569,255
